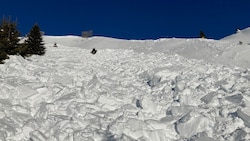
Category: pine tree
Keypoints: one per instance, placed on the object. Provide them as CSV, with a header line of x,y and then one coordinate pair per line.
x,y
23,50
202,34
3,56
34,42
9,37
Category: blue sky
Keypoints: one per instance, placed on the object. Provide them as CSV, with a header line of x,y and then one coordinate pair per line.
x,y
131,19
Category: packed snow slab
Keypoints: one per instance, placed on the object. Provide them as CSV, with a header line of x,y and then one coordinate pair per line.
x,y
121,94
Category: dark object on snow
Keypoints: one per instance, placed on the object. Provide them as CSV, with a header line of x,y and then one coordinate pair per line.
x,y
55,45
138,104
93,51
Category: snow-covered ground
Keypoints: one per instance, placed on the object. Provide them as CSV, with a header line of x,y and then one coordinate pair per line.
x,y
145,90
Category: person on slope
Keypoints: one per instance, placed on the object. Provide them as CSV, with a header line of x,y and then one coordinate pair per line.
x,y
93,51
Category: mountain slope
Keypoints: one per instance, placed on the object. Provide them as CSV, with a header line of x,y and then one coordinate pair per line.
x,y
240,35
238,48
226,51
151,90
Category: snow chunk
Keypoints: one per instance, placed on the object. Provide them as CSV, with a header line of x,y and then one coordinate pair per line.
x,y
25,91
109,103
149,106
194,126
208,98
65,80
236,99
205,139
244,117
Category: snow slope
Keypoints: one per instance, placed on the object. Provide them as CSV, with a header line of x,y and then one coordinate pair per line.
x,y
239,48
144,90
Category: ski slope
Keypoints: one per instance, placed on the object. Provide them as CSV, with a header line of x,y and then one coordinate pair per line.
x,y
145,90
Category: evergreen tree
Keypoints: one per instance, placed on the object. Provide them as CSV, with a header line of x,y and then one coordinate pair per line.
x,y
3,56
22,50
34,42
9,37
202,34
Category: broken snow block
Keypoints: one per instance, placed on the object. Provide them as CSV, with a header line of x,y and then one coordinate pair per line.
x,y
236,99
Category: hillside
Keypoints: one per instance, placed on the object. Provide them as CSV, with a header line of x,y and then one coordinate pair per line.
x,y
226,51
144,90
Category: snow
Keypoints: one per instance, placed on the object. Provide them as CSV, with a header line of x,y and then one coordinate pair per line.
x,y
147,90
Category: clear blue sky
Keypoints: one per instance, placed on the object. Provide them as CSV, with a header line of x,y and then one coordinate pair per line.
x,y
130,19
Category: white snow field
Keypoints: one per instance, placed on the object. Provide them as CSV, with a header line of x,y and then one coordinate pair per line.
x,y
130,90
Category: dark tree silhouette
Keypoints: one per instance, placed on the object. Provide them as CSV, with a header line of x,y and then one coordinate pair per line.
x,y
202,34
34,42
3,56
9,37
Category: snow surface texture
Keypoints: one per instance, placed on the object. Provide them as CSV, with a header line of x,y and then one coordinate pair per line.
x,y
149,90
